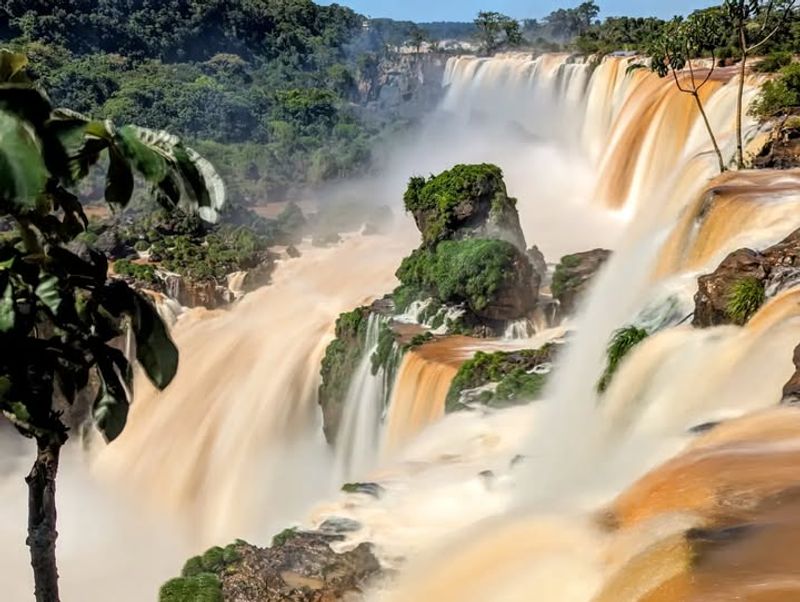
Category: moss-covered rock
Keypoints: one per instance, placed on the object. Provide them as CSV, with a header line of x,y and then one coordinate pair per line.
x,y
338,365
573,275
744,280
201,577
502,378
467,201
491,277
299,566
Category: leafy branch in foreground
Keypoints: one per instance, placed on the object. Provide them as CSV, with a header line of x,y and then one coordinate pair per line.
x,y
61,318
681,41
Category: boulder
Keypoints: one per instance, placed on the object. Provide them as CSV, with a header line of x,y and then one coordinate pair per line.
x,y
467,201
783,150
573,275
791,390
773,270
302,568
536,257
299,567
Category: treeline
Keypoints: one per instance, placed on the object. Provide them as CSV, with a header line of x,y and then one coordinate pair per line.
x,y
580,30
265,88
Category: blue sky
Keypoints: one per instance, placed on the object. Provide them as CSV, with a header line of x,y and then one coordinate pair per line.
x,y
465,10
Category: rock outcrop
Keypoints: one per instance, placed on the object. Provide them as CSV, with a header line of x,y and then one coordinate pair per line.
x,y
468,201
791,390
404,87
501,379
573,275
338,366
783,150
299,567
744,279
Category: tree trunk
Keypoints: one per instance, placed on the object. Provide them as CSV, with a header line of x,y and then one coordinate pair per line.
x,y
740,102
42,519
710,132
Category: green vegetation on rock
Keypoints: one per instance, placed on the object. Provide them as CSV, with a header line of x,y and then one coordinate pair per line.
x,y
203,587
462,201
472,271
745,297
621,343
780,95
284,536
512,372
338,365
140,272
563,278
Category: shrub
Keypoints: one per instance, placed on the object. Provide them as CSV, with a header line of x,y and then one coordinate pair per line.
x,y
471,271
778,96
621,343
562,275
744,298
203,587
519,385
140,272
509,369
773,62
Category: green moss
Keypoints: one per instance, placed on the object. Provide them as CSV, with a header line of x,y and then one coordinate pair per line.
x,y
138,271
383,354
281,538
439,196
621,343
745,297
563,279
508,369
419,339
403,296
519,385
202,587
468,271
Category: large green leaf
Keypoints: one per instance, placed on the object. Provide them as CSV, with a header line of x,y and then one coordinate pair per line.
x,y
49,293
8,310
22,171
119,180
142,157
69,132
12,66
193,183
110,411
155,350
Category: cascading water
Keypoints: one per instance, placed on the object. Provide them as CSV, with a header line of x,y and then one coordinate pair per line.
x,y
234,447
357,438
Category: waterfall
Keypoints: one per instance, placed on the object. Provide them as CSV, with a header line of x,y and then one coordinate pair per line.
x,y
242,412
357,439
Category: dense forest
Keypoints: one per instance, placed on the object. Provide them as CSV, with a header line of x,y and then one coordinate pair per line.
x,y
263,88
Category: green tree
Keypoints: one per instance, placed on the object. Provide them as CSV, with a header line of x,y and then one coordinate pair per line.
x,y
417,37
756,22
495,29
59,312
681,41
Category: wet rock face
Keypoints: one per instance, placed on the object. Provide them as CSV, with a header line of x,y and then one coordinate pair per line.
x,y
467,201
573,275
301,568
713,294
773,269
791,390
783,152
